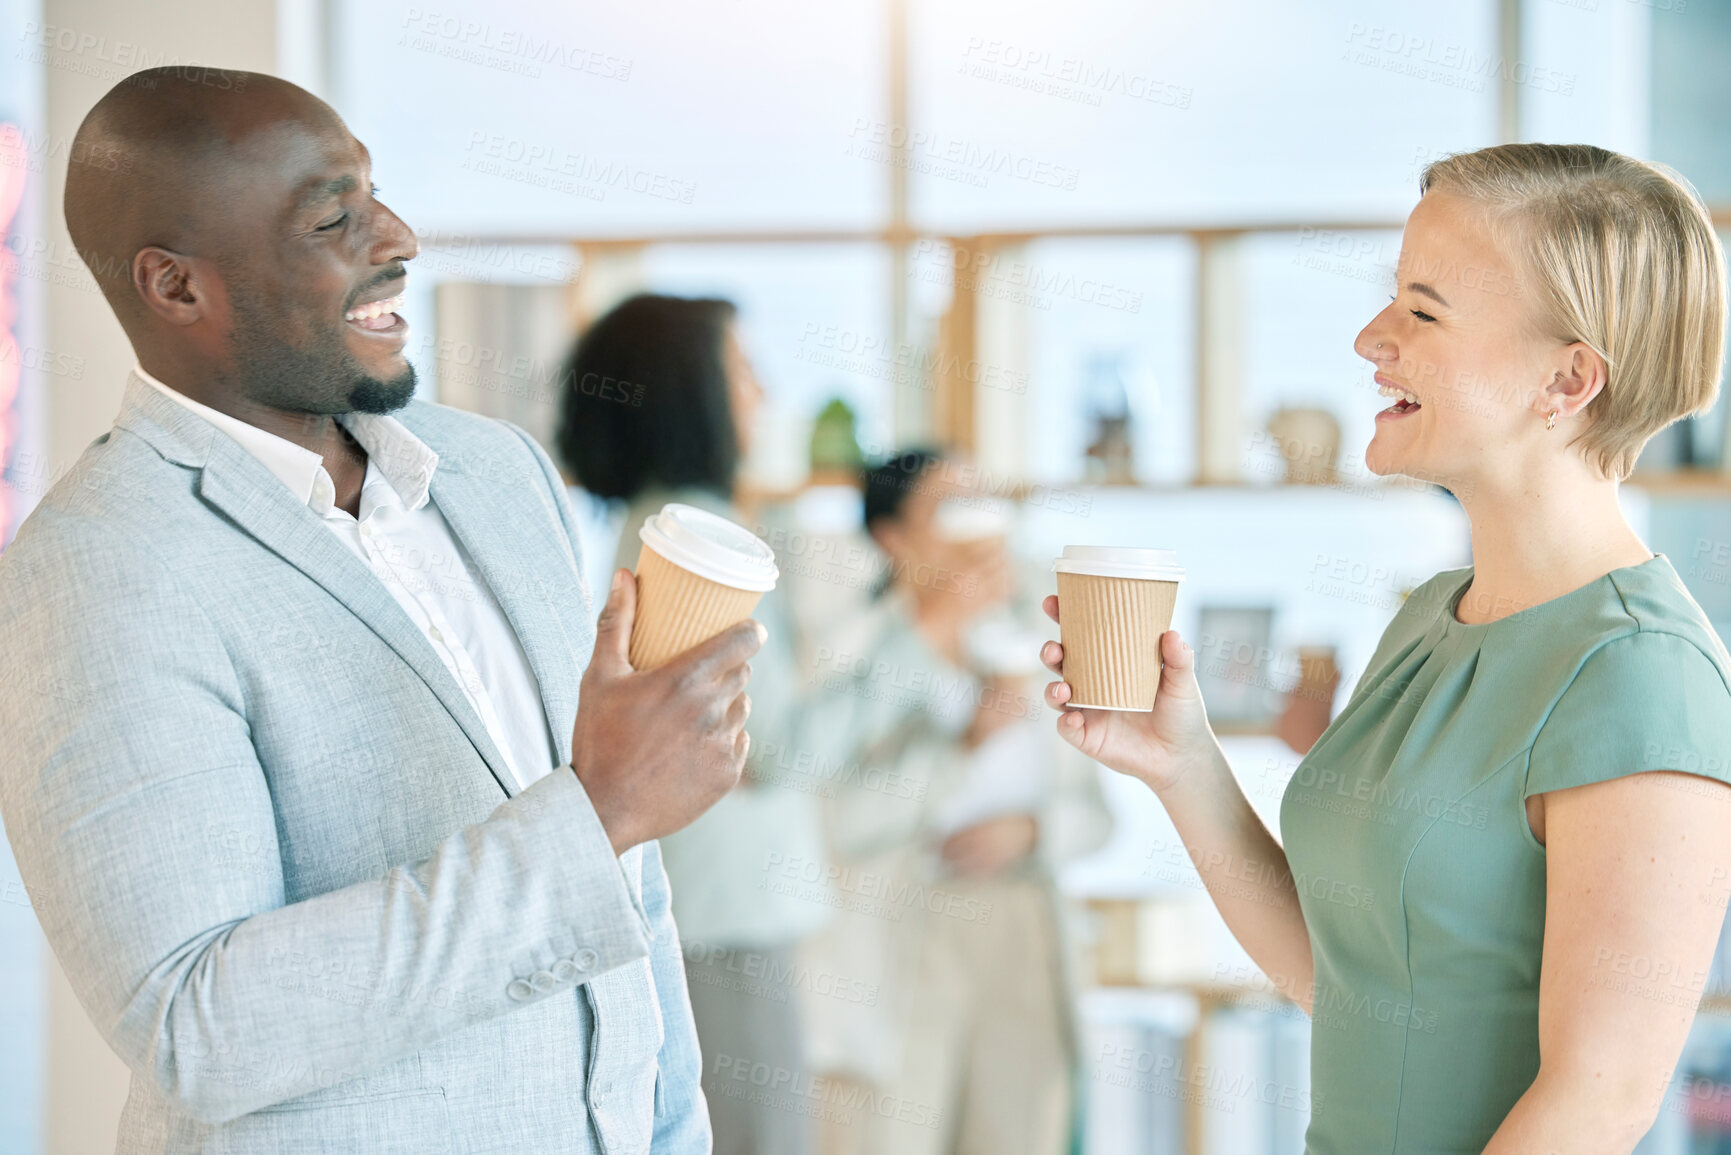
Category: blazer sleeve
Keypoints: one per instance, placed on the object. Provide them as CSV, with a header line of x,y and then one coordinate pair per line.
x,y
128,765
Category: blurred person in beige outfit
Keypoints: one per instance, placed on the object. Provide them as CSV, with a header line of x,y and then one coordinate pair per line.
x,y
950,813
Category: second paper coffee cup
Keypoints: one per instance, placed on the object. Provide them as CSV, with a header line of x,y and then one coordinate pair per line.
x,y
697,575
1113,605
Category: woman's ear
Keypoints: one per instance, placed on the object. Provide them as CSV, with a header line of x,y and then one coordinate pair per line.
x,y
1580,376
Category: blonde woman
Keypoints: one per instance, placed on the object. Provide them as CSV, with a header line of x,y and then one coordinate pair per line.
x,y
1530,777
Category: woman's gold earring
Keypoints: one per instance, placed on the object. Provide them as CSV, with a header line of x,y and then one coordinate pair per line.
x,y
1551,420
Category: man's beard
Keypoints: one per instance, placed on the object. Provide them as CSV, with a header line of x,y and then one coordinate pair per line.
x,y
373,395
324,378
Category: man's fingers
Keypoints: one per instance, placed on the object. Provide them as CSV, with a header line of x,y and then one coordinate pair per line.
x,y
613,630
732,647
737,712
735,681
1050,605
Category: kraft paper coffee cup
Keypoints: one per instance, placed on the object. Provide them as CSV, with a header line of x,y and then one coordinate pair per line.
x,y
697,575
1113,606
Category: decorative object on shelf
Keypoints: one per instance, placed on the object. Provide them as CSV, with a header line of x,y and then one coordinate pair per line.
x,y
1111,457
1117,943
835,451
1308,440
1310,702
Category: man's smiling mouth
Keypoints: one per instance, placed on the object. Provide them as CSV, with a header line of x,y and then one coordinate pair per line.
x,y
377,317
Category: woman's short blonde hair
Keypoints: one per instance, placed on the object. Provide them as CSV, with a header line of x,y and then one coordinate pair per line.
x,y
1618,254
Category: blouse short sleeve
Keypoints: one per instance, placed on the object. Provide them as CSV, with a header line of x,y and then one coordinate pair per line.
x,y
1646,701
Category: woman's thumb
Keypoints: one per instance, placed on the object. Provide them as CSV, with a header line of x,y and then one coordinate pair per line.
x,y
1178,672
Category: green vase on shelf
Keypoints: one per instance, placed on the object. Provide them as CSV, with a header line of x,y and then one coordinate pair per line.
x,y
835,451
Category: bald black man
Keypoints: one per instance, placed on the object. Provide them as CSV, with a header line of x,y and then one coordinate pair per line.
x,y
343,836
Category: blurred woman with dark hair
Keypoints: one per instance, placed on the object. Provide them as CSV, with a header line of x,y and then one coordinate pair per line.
x,y
658,397
659,402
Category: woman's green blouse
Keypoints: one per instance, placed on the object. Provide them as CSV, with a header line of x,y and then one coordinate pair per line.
x,y
1405,827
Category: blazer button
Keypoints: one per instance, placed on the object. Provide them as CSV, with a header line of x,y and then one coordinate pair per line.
x,y
565,970
543,981
520,990
585,959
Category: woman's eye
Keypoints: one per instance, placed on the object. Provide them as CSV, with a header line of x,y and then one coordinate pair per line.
x,y
334,224
1423,316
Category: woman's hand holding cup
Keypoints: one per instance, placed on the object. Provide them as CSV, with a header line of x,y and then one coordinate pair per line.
x,y
1157,746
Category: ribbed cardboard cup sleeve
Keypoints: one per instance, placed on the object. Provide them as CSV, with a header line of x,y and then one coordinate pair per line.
x,y
1110,628
676,610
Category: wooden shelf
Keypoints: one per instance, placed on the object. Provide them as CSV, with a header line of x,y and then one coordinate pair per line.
x,y
1683,482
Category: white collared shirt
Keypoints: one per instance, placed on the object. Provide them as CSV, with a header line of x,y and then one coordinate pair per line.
x,y
404,540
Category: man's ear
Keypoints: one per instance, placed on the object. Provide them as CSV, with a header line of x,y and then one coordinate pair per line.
x,y
169,284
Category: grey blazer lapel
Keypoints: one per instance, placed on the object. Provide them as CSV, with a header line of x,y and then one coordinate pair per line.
x,y
234,482
532,576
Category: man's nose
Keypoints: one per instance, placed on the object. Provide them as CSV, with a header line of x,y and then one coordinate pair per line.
x,y
396,241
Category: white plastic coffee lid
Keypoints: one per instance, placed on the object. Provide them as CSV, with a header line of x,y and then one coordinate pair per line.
x,y
1111,561
971,518
711,547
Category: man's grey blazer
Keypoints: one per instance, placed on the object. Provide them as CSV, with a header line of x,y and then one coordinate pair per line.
x,y
283,865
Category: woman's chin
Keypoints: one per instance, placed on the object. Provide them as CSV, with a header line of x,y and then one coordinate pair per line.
x,y
1381,459
1394,449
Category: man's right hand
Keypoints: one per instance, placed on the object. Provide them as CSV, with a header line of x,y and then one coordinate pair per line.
x,y
656,748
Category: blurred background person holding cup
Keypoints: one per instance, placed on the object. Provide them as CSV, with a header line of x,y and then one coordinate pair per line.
x,y
954,809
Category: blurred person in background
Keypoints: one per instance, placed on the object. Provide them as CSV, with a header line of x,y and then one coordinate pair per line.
x,y
954,807
658,405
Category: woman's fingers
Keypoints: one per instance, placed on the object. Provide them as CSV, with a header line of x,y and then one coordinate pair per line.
x,y
1052,654
1057,694
1072,727
1050,605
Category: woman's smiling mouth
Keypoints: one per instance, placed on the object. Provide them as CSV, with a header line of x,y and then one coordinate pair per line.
x,y
1406,400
